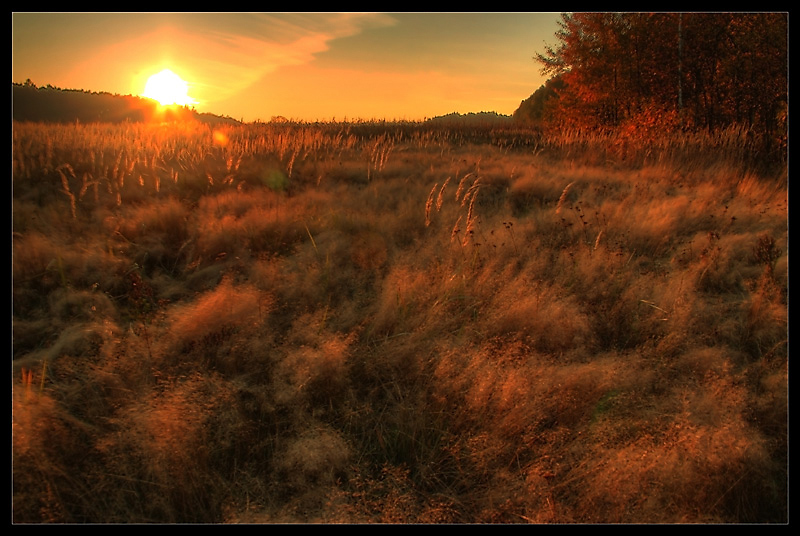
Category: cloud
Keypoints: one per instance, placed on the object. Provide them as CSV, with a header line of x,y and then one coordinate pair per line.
x,y
220,54
272,42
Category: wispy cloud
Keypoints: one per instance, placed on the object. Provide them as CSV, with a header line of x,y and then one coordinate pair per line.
x,y
221,55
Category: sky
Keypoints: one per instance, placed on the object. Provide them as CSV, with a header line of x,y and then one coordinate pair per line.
x,y
301,66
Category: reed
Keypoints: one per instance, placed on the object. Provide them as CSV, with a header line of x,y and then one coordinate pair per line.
x,y
563,198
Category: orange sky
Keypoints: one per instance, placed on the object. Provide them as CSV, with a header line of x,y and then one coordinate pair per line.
x,y
304,66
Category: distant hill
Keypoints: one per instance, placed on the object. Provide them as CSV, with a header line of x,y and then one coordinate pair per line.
x,y
55,105
471,118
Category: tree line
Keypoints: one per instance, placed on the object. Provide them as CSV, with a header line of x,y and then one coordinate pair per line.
x,y
53,104
671,70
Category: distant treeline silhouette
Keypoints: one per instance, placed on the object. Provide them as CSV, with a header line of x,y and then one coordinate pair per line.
x,y
56,105
492,118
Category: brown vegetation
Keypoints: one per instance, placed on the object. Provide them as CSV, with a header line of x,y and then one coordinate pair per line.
x,y
398,324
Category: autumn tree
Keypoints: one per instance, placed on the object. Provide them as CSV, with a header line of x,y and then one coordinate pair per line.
x,y
736,68
535,109
694,70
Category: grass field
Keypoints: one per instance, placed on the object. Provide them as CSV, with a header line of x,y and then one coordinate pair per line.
x,y
396,323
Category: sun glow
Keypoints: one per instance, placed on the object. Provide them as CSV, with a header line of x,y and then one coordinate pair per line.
x,y
168,88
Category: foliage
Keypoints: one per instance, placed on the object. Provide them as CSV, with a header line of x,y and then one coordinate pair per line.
x,y
535,109
679,70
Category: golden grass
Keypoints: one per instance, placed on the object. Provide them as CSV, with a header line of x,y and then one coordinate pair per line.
x,y
364,322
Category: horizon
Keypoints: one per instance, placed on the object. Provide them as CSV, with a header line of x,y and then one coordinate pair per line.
x,y
253,67
190,106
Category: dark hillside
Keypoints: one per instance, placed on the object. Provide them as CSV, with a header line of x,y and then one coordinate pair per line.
x,y
56,105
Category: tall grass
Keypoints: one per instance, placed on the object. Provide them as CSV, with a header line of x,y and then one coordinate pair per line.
x,y
397,323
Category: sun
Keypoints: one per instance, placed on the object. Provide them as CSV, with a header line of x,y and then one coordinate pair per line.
x,y
168,88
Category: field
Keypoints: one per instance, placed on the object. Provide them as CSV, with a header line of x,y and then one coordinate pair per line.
x,y
396,323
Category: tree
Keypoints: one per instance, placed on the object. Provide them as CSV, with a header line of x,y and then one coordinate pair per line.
x,y
711,70
590,61
535,109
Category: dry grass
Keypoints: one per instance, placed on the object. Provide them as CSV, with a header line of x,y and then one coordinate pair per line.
x,y
371,323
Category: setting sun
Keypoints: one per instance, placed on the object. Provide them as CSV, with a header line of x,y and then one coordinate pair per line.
x,y
167,88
